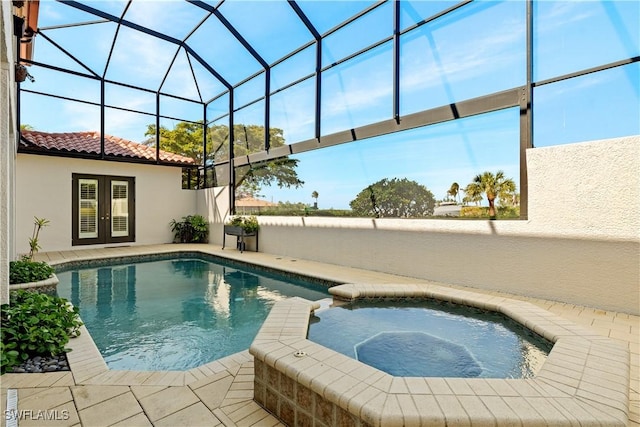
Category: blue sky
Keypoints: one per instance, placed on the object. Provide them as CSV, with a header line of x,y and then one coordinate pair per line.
x,y
478,50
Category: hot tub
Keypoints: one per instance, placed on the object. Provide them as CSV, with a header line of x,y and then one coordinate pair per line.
x,y
584,380
430,338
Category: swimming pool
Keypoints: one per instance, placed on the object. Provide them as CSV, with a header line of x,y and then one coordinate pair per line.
x,y
175,314
428,338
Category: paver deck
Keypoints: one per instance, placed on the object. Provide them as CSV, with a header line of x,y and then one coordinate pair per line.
x,y
221,392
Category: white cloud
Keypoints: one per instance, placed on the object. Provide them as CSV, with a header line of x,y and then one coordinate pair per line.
x,y
561,13
460,60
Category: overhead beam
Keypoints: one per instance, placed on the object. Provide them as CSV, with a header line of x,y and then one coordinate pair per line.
x,y
318,69
484,104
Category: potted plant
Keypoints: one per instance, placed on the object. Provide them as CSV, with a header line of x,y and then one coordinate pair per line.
x,y
241,226
192,229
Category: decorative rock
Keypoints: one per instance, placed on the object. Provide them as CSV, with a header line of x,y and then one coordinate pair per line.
x,y
43,364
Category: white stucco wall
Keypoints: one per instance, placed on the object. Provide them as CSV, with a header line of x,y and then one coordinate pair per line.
x,y
580,244
586,189
43,189
7,145
213,203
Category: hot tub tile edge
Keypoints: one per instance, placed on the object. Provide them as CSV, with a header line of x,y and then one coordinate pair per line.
x,y
556,385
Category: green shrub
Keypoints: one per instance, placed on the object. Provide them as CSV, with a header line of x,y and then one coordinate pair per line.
x,y
9,356
25,271
509,211
35,324
236,221
474,212
309,211
248,223
504,212
192,229
331,213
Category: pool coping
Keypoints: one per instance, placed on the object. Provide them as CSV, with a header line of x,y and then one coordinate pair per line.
x,y
584,380
89,367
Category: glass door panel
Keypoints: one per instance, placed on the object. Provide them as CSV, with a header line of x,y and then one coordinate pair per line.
x,y
88,224
119,208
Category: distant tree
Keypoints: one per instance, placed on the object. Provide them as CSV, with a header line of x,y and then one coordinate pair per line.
x,y
26,126
248,139
292,205
315,195
248,189
493,186
509,199
453,190
186,139
281,172
400,198
472,198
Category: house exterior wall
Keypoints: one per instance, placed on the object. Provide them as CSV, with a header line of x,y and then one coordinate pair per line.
x,y
580,244
7,145
43,189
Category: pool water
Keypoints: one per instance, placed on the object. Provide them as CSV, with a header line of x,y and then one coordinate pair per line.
x,y
430,339
175,314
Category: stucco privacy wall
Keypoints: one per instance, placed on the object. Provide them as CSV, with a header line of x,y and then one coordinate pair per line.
x,y
580,244
213,203
586,189
7,144
43,189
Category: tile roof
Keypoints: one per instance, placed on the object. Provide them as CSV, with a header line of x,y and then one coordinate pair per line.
x,y
89,142
251,202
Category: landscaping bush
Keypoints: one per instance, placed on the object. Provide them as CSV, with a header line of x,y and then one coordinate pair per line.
x,y
192,229
509,211
248,223
474,212
504,212
276,211
25,271
35,324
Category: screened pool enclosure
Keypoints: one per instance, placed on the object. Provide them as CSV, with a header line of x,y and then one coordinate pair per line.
x,y
352,93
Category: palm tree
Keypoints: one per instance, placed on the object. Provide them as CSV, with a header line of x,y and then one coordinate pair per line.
x,y
471,198
314,195
453,190
492,186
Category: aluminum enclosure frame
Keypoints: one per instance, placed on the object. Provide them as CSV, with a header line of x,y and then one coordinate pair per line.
x,y
521,97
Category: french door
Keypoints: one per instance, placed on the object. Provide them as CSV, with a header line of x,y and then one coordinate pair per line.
x,y
103,209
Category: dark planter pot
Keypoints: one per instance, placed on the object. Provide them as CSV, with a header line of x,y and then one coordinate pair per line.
x,y
240,234
233,230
